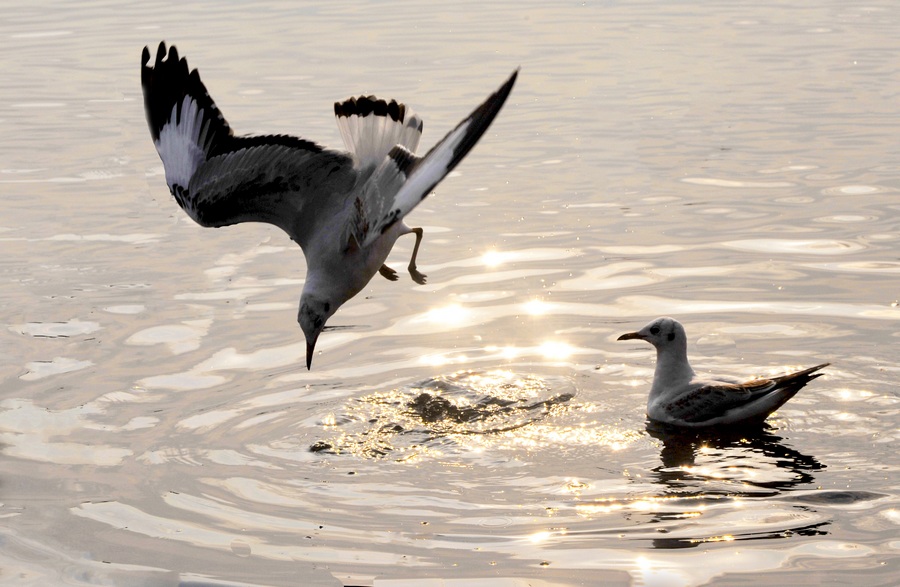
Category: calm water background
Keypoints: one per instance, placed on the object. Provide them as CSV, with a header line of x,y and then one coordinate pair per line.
x,y
736,167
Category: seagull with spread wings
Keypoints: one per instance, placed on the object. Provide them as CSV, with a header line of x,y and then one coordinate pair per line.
x,y
344,208
680,398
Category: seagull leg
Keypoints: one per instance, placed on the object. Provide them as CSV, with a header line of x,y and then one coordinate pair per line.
x,y
413,272
388,273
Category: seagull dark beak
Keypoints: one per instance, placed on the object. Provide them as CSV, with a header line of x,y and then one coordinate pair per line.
x,y
631,336
310,349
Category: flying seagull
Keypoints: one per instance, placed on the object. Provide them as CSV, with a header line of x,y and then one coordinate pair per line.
x,y
678,397
344,208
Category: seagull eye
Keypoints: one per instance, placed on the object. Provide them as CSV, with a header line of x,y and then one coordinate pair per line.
x,y
654,330
671,336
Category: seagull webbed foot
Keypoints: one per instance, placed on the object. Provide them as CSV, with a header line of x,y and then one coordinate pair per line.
x,y
418,277
388,273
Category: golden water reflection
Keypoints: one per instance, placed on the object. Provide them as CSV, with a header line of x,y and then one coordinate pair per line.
x,y
467,413
551,351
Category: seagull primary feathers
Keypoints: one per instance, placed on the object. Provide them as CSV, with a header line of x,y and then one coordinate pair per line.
x,y
344,208
678,397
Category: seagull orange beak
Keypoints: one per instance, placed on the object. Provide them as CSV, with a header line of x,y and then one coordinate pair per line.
x,y
631,336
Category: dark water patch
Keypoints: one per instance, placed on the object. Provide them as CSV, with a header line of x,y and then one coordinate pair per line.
x,y
835,497
679,543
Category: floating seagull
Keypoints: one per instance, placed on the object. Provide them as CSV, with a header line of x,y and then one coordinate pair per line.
x,y
344,209
678,397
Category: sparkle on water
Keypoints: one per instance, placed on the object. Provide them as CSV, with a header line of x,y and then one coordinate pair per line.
x,y
453,416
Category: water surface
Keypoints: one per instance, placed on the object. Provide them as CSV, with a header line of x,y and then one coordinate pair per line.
x,y
735,167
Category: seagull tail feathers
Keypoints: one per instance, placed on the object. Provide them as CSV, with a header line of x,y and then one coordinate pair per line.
x,y
788,385
371,127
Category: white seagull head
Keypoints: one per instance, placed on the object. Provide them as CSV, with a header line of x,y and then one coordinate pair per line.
x,y
663,333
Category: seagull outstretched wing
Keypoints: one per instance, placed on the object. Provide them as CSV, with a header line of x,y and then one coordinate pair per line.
x,y
221,179
403,180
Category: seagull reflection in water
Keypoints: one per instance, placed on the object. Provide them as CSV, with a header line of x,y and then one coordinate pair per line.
x,y
757,447
700,468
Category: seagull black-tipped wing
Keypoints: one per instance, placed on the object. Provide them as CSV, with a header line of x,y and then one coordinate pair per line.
x,y
221,179
418,176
